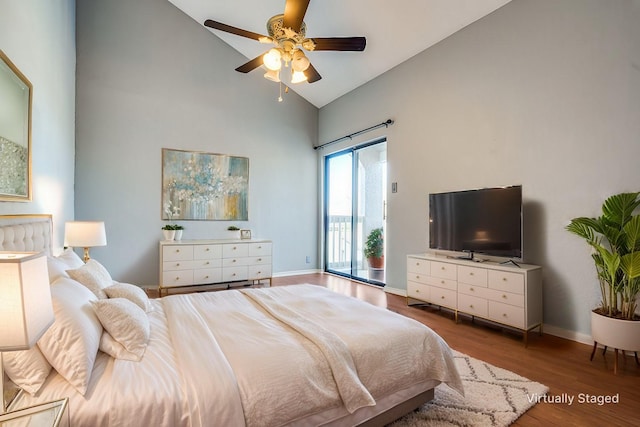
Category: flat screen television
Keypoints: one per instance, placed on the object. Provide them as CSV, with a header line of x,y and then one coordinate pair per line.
x,y
486,221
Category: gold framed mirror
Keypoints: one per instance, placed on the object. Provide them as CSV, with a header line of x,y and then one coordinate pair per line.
x,y
16,93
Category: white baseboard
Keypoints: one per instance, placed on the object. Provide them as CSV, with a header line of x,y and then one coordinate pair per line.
x,y
296,273
395,291
567,334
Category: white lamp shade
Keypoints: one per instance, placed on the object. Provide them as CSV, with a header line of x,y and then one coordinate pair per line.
x,y
26,311
85,234
298,77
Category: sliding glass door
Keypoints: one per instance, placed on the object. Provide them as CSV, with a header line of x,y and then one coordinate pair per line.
x,y
355,211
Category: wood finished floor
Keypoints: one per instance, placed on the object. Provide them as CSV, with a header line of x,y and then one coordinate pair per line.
x,y
560,364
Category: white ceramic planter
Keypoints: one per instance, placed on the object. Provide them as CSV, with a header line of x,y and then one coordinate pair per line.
x,y
615,333
169,234
178,235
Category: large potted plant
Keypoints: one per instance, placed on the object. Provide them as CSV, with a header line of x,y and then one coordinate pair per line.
x,y
615,239
374,248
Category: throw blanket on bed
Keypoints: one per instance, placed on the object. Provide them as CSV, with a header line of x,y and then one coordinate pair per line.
x,y
287,366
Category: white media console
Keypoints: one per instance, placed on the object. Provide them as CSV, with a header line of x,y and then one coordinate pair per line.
x,y
507,294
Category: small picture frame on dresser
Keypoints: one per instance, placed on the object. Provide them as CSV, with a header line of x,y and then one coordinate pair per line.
x,y
245,234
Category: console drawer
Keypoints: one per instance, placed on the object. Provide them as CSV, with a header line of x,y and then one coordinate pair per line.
x,y
506,297
418,291
442,283
507,314
473,290
443,297
472,275
473,305
417,265
505,281
443,270
177,252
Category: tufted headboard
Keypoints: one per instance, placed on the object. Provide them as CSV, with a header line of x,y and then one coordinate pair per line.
x,y
26,233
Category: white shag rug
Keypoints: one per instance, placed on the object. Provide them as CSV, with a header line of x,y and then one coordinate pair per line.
x,y
493,397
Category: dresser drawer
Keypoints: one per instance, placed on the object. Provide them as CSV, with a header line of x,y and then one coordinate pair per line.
x,y
207,263
418,277
235,262
207,251
235,250
443,297
473,305
442,283
177,278
474,290
507,314
505,281
232,274
418,291
259,249
259,260
417,265
443,270
261,271
177,252
177,265
506,297
207,275
472,275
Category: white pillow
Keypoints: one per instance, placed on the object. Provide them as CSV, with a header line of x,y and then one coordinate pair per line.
x,y
71,343
131,292
125,322
59,265
116,350
28,369
94,276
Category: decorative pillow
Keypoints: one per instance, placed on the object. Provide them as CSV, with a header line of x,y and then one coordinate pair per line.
x,y
94,276
28,369
131,292
116,350
71,343
125,322
59,265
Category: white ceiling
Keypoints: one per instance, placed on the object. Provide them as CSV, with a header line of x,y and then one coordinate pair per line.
x,y
395,32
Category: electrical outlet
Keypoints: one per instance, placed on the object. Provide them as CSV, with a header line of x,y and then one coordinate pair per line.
x,y
308,259
394,187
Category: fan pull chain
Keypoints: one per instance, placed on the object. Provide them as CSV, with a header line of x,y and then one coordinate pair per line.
x,y
280,97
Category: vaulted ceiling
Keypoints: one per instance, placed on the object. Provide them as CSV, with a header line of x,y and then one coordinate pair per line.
x,y
395,31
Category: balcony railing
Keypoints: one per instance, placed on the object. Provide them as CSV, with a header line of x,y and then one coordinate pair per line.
x,y
339,242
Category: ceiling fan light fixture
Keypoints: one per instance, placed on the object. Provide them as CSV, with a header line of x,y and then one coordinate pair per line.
x,y
271,59
273,75
299,61
298,77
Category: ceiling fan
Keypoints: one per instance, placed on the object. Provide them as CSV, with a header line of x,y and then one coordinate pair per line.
x,y
287,32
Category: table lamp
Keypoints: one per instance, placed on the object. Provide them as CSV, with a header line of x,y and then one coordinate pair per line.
x,y
85,234
26,311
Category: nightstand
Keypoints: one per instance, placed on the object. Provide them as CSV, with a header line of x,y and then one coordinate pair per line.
x,y
51,414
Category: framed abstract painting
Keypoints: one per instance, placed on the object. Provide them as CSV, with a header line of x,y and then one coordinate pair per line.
x,y
15,132
204,186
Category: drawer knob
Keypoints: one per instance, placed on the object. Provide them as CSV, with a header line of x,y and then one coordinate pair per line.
x,y
417,263
442,297
417,291
470,305
442,282
441,268
177,250
233,260
504,314
504,296
259,272
471,274
234,248
206,277
504,279
471,289
233,274
259,247
259,259
178,278
417,276
206,263
207,249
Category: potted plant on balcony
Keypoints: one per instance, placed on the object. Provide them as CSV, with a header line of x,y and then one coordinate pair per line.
x,y
615,239
374,248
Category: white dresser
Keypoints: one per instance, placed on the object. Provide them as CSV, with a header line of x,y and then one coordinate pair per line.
x,y
502,293
205,262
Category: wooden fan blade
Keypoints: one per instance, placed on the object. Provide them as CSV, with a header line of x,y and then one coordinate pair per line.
x,y
233,30
251,65
294,11
312,74
340,43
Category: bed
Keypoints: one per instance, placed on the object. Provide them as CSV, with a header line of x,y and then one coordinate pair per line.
x,y
297,355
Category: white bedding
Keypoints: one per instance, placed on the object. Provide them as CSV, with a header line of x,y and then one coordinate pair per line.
x,y
293,355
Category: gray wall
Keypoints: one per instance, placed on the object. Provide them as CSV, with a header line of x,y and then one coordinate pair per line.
x,y
39,38
541,93
149,77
